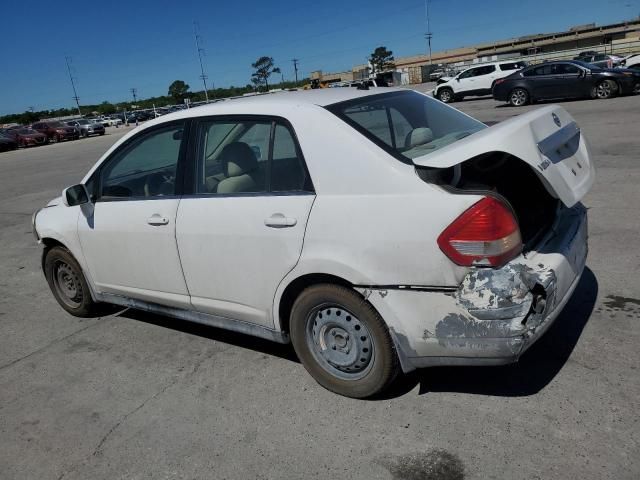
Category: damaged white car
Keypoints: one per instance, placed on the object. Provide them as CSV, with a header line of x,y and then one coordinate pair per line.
x,y
378,232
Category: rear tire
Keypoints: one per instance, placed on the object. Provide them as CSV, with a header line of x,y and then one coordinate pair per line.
x,y
68,284
518,97
445,95
342,341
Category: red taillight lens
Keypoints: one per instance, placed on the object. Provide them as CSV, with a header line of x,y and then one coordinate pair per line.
x,y
487,234
498,82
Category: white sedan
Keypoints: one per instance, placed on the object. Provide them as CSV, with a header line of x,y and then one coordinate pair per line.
x,y
379,231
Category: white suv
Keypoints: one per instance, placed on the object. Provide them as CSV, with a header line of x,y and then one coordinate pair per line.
x,y
475,81
377,232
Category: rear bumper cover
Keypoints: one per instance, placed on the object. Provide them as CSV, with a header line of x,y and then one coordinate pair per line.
x,y
494,316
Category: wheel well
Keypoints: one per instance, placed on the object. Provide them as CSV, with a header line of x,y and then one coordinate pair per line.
x,y
296,287
49,243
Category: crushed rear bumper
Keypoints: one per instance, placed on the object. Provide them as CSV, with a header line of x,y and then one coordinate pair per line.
x,y
495,315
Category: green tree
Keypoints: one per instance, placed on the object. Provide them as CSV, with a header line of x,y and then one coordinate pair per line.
x,y
178,90
264,68
382,59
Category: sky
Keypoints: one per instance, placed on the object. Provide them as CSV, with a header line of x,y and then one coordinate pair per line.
x,y
147,44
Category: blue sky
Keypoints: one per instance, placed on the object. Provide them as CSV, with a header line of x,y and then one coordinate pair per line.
x,y
117,45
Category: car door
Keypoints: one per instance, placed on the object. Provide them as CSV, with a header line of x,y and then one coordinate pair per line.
x,y
128,232
485,76
241,229
571,81
540,81
465,82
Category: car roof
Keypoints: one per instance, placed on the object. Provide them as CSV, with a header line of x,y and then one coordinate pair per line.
x,y
275,103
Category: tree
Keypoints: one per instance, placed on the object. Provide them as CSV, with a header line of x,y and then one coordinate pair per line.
x,y
178,90
264,68
382,59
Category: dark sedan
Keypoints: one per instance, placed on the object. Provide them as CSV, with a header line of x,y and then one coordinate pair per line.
x,y
565,79
7,143
26,137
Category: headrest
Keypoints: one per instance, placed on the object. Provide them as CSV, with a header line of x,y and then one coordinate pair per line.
x,y
418,136
237,158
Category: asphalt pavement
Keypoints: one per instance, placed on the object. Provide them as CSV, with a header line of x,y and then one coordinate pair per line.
x,y
136,396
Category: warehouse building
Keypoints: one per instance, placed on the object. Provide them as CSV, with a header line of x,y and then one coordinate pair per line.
x,y
619,38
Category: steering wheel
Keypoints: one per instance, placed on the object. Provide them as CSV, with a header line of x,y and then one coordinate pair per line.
x,y
158,184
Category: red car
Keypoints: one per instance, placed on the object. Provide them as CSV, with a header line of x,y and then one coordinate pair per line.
x,y
27,137
56,131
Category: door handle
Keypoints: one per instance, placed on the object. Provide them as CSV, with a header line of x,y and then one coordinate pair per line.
x,y
157,219
278,220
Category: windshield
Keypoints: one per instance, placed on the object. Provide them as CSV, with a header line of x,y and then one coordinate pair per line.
x,y
83,122
406,124
56,124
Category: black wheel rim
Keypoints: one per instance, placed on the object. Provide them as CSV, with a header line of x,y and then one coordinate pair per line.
x,y
340,342
67,284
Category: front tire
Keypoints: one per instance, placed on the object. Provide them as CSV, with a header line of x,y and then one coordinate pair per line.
x,y
605,89
342,341
518,97
68,284
445,95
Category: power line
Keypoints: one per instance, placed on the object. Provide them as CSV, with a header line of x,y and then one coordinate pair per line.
x,y
295,68
73,85
200,53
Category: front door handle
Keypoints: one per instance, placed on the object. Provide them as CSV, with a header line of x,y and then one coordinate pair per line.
x,y
157,219
278,220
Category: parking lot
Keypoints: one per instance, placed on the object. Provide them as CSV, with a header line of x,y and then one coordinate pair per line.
x,y
136,395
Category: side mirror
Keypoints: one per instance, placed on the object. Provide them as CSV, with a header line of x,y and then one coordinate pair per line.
x,y
75,195
457,79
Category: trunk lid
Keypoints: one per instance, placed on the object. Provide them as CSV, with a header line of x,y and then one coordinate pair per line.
x,y
548,139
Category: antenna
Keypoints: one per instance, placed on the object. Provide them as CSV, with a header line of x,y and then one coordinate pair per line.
x,y
200,53
428,35
295,67
73,85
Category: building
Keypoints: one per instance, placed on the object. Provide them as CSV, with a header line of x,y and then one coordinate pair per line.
x,y
619,38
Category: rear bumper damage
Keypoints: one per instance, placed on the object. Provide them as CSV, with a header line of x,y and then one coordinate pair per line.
x,y
495,315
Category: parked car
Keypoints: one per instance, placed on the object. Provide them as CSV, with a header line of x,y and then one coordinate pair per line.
x,y
56,131
631,61
586,54
601,60
475,81
87,127
7,143
565,79
468,243
27,137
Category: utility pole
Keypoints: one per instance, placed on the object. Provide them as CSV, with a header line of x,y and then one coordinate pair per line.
x,y
295,67
200,53
428,35
73,85
134,91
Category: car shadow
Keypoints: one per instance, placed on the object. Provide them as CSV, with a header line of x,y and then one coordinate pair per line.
x,y
536,368
547,102
212,333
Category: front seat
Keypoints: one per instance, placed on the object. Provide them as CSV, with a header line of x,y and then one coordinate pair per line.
x,y
240,169
418,136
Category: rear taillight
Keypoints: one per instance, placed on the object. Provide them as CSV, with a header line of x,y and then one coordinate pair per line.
x,y
498,82
486,235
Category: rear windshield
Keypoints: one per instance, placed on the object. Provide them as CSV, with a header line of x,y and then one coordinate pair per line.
x,y
406,124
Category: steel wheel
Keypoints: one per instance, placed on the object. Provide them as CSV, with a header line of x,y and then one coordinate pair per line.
x,y
519,97
340,342
67,284
604,89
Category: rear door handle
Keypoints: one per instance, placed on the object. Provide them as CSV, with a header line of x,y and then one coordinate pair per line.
x,y
278,220
157,219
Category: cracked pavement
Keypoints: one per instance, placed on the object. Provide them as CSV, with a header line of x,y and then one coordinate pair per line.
x,y
134,395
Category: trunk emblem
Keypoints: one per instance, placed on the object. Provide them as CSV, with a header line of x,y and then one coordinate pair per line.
x,y
556,119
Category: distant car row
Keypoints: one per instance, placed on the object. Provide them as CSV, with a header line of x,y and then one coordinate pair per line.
x,y
519,84
43,133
